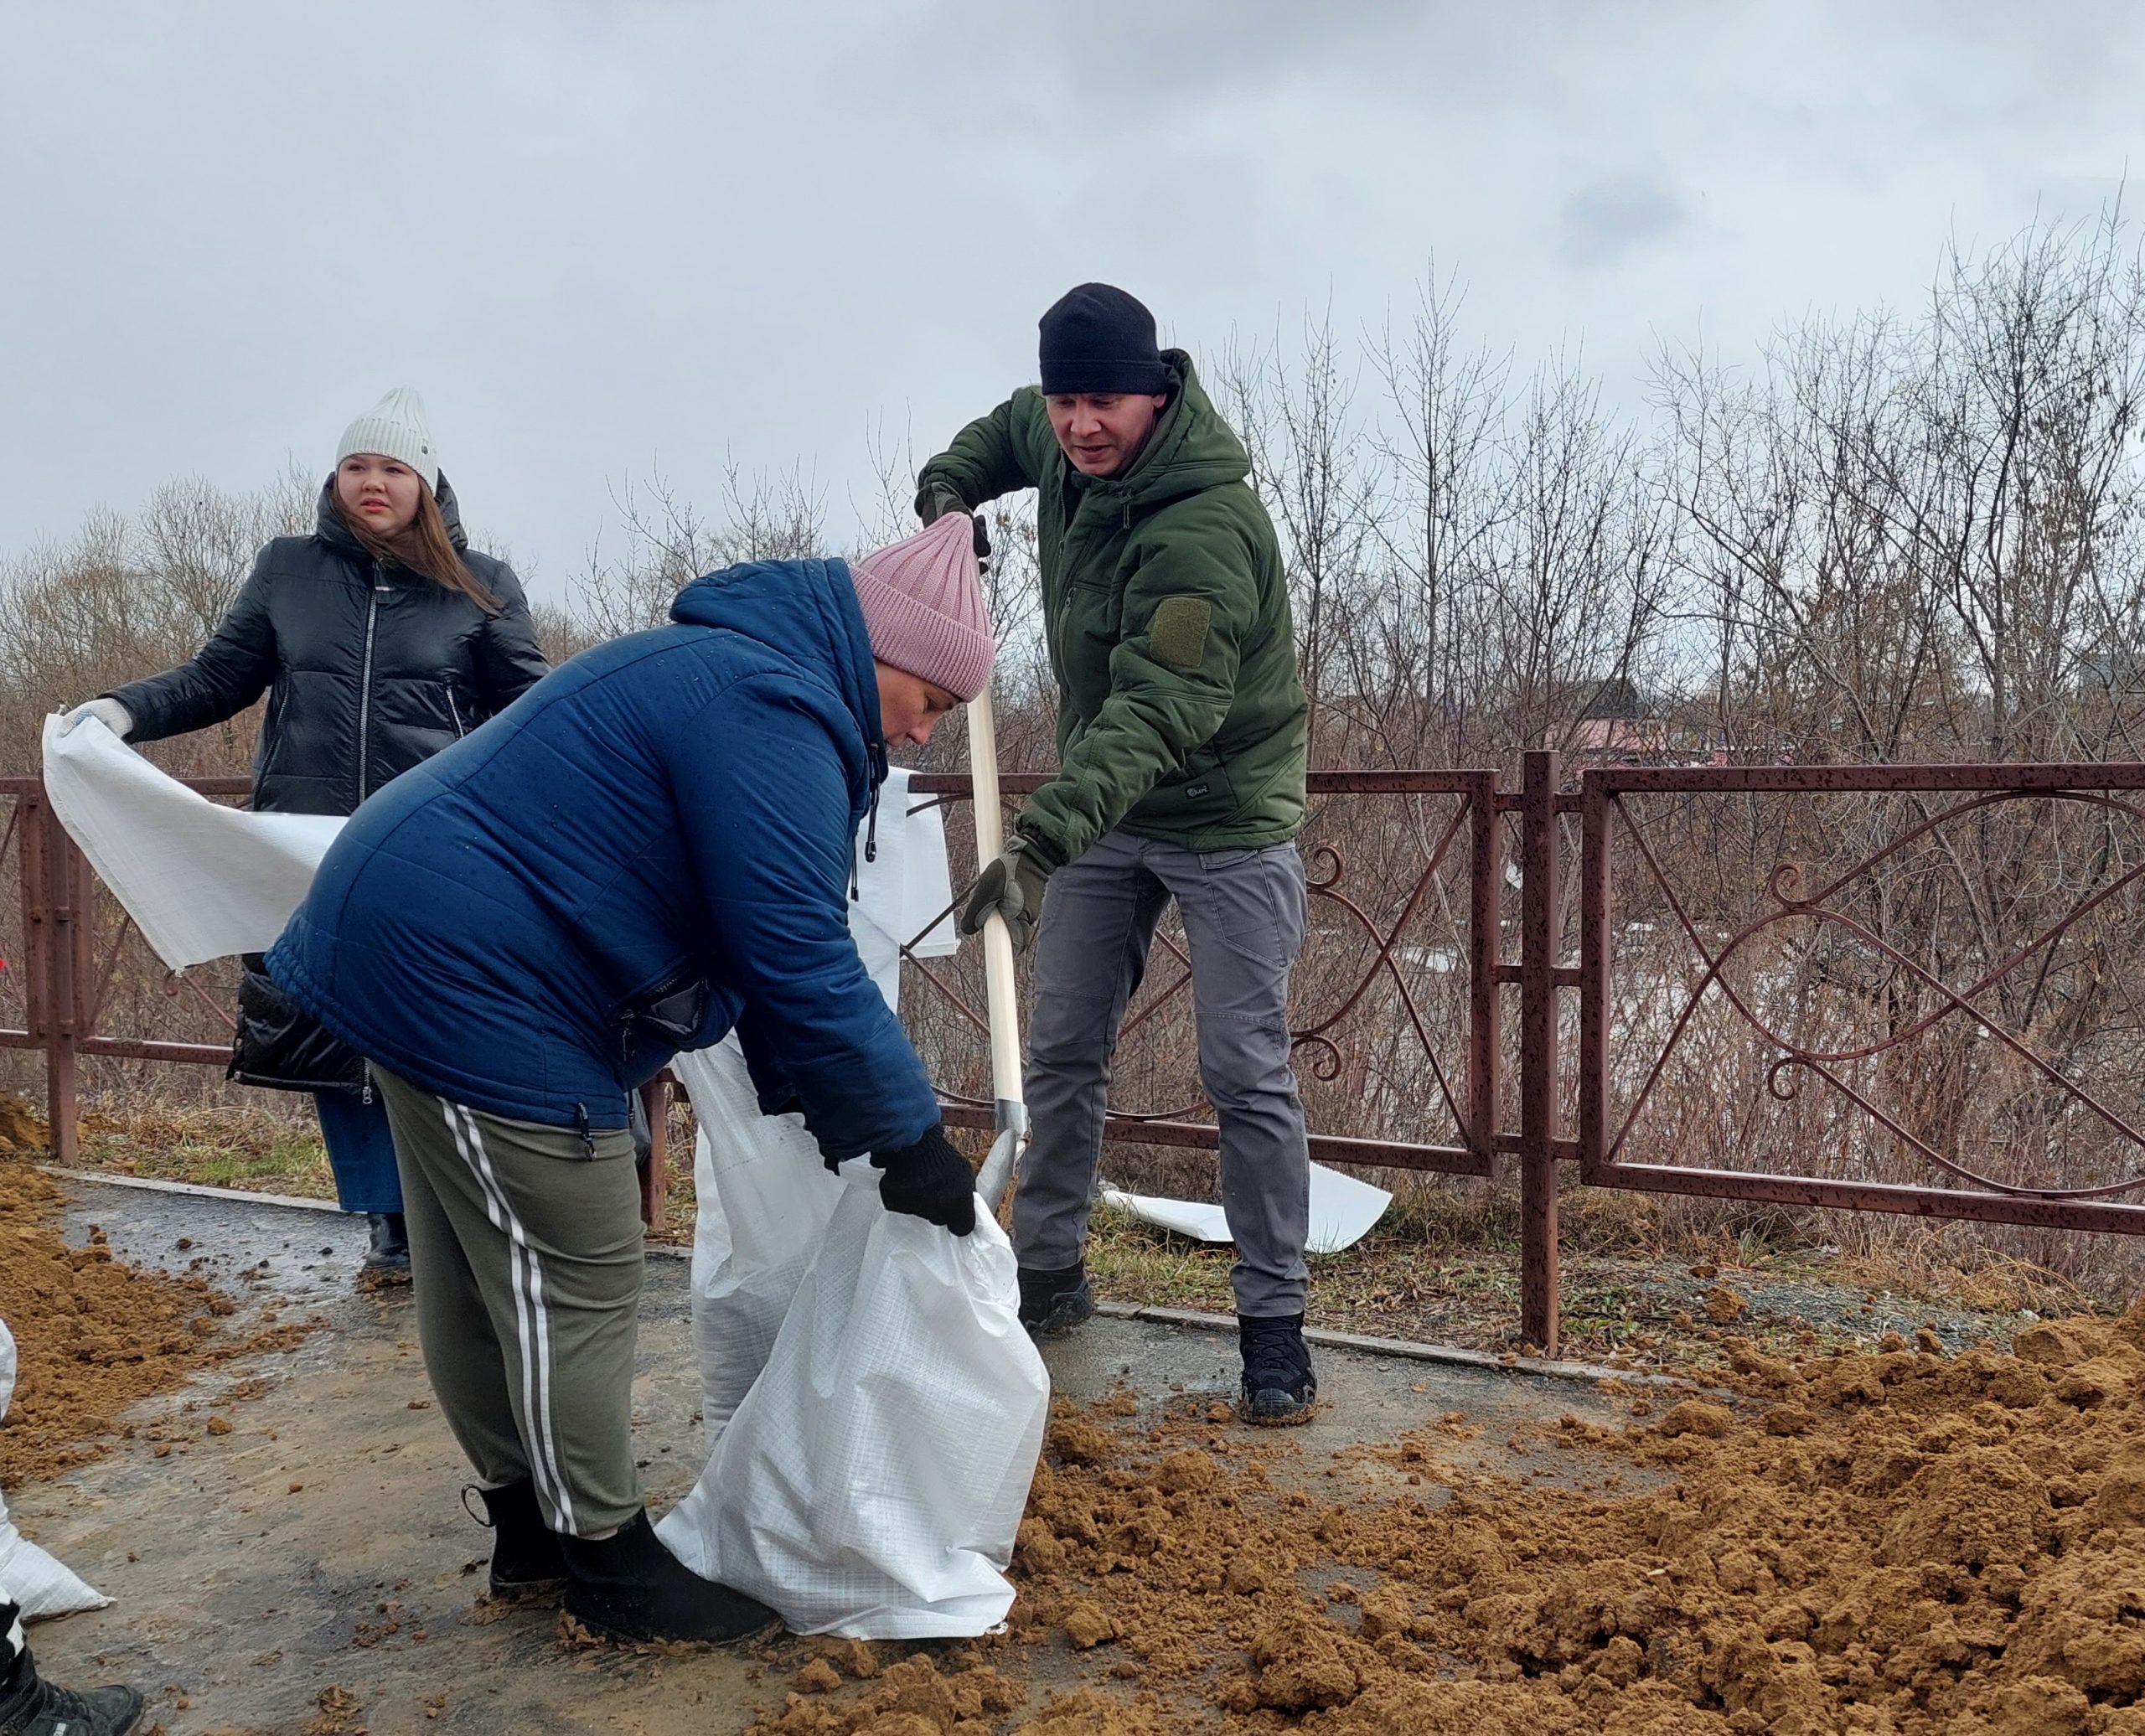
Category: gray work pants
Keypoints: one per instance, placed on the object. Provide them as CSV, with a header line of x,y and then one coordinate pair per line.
x,y
1243,918
526,1259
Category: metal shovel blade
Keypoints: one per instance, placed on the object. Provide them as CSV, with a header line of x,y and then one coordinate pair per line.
x,y
996,1174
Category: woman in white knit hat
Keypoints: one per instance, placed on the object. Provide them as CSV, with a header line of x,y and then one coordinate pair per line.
x,y
380,640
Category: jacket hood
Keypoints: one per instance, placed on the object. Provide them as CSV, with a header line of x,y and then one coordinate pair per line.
x,y
330,528
807,611
1192,448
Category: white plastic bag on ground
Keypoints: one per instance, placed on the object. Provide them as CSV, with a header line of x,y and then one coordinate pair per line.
x,y
1342,1210
870,1482
38,1583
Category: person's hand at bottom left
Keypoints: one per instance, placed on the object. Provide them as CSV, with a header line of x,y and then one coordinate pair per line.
x,y
929,1179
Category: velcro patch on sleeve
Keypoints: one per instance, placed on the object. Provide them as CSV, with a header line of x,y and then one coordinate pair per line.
x,y
1179,633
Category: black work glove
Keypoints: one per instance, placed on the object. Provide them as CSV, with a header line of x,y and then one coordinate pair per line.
x,y
1012,886
937,506
929,1179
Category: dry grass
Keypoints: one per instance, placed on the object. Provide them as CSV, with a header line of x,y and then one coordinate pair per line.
x,y
220,1146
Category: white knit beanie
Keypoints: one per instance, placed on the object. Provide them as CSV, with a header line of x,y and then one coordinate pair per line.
x,y
395,428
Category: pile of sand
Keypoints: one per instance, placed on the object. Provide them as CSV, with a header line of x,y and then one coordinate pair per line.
x,y
22,1130
92,1335
1899,1542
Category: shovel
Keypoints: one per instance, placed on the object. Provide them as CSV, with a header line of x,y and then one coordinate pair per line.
x,y
1011,1122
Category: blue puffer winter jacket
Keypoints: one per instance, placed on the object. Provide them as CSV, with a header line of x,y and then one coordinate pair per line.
x,y
649,847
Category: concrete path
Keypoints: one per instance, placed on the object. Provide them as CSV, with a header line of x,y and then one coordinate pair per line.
x,y
321,1544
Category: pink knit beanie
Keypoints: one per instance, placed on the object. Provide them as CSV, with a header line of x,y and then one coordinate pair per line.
x,y
922,603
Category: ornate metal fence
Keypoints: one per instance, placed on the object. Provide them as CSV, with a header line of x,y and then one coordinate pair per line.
x,y
1939,956
1811,986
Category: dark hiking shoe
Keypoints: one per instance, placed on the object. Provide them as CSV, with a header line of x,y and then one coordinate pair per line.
x,y
387,1260
1279,1387
630,1589
1053,1303
526,1559
32,1706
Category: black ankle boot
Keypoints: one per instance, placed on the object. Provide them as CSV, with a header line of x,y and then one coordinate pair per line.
x,y
629,1587
390,1250
1278,1385
526,1558
32,1706
1053,1303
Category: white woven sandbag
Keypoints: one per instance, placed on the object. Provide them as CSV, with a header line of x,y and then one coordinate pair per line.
x,y
201,881
870,1482
763,1202
33,1580
764,1196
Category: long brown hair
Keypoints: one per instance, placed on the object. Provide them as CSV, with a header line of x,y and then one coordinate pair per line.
x,y
422,546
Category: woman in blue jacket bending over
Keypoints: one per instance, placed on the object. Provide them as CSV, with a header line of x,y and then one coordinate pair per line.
x,y
652,849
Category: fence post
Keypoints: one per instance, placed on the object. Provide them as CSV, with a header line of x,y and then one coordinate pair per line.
x,y
1485,949
1595,960
65,912
1540,933
37,922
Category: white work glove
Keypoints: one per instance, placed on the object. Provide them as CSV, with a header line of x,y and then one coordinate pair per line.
x,y
109,712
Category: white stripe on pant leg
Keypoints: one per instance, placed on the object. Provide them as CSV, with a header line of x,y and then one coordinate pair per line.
x,y
531,1323
14,1645
533,1280
495,1210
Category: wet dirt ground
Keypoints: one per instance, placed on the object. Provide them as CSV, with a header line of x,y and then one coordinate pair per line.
x,y
300,1543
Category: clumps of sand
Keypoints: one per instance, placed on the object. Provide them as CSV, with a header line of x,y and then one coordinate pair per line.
x,y
92,1335
22,1131
913,1697
1901,1543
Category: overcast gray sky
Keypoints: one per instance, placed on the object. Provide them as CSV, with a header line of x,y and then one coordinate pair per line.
x,y
604,238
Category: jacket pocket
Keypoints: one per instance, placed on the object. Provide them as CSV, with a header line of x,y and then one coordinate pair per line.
x,y
268,750
454,712
663,1020
1201,786
1086,633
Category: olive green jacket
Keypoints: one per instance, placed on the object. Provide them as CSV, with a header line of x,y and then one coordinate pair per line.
x,y
1181,715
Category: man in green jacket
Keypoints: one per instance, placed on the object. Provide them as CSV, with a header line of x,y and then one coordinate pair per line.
x,y
1181,742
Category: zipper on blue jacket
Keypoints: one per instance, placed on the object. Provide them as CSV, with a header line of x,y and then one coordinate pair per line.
x,y
878,766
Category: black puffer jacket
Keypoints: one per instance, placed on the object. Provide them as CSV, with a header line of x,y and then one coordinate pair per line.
x,y
369,667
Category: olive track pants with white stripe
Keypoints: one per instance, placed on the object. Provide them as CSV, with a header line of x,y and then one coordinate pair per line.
x,y
525,1255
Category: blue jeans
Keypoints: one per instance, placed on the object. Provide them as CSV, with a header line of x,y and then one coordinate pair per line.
x,y
360,1151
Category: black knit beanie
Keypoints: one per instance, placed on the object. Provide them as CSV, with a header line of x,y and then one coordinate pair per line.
x,y
1097,338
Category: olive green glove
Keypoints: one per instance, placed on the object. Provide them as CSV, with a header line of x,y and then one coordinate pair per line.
x,y
1012,886
937,506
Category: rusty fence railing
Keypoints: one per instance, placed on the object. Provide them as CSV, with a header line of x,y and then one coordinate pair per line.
x,y
1895,978
1458,1009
